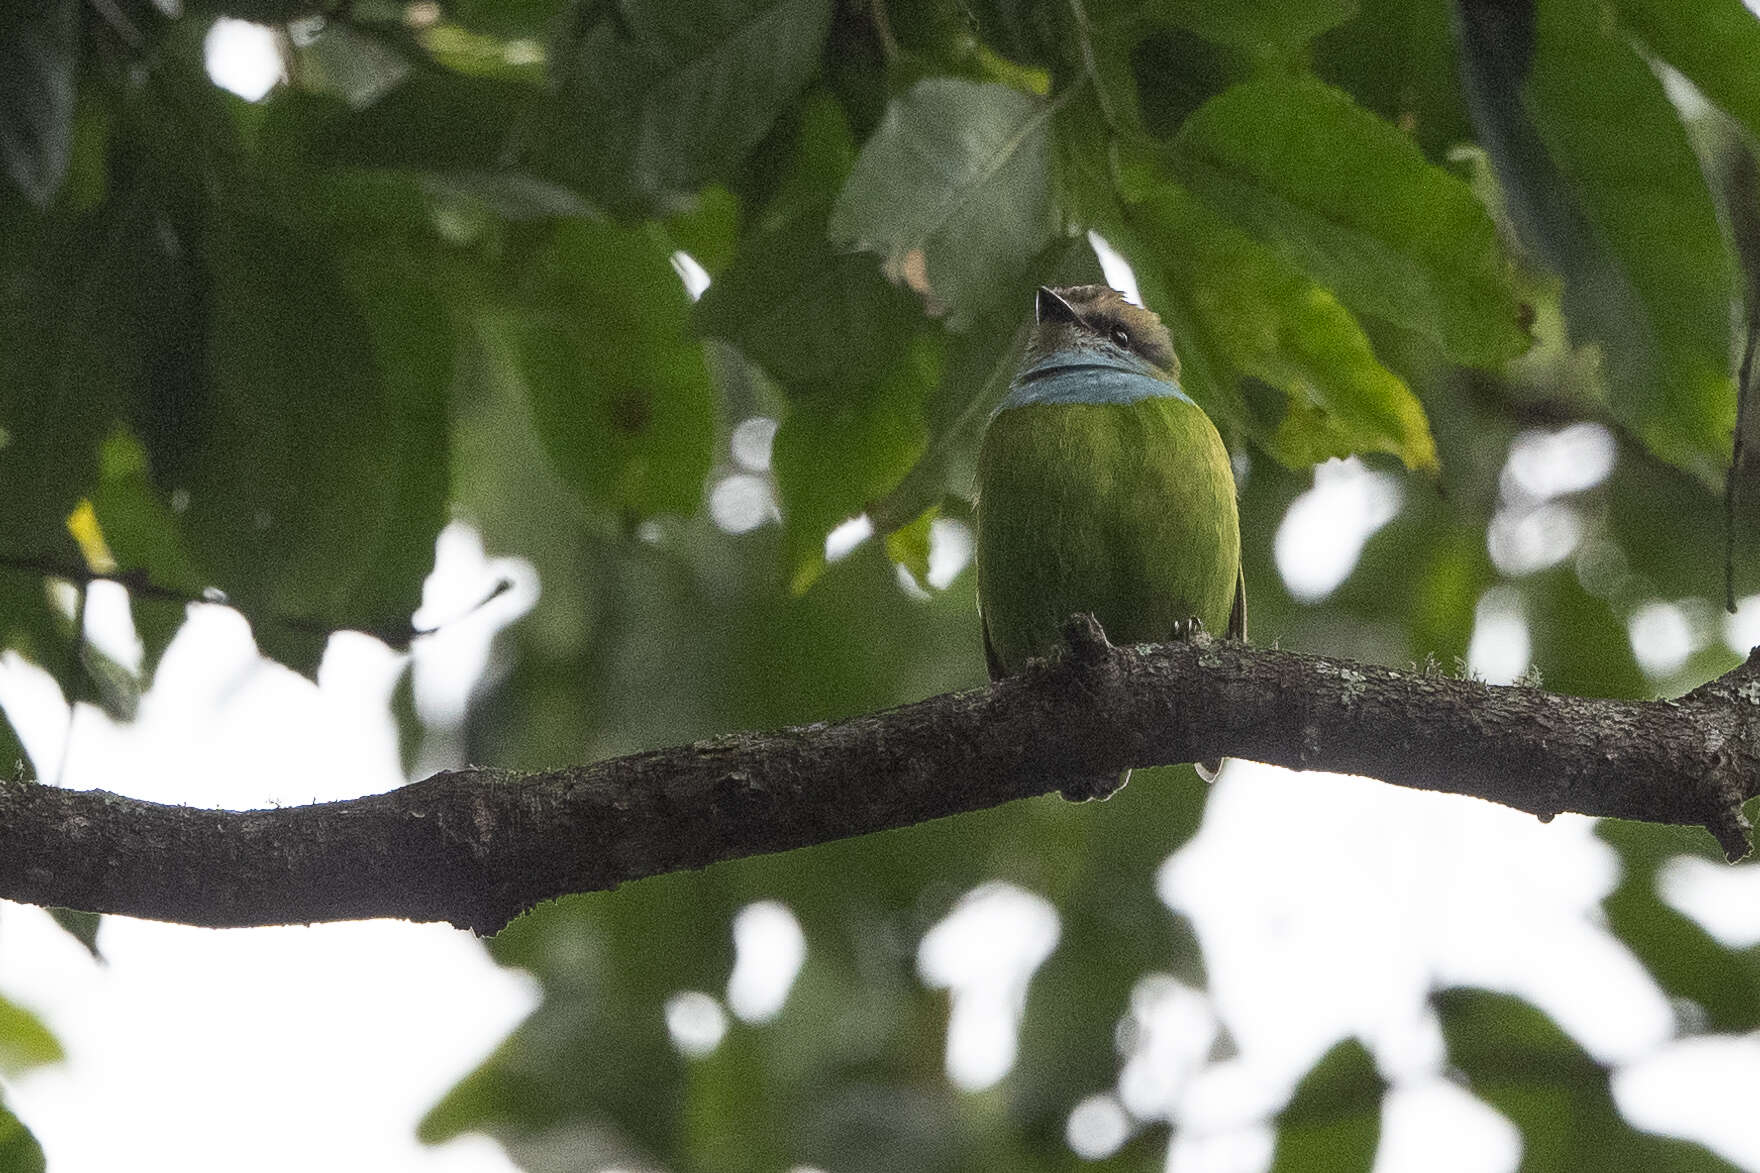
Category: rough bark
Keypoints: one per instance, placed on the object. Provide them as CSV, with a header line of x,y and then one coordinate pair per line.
x,y
476,847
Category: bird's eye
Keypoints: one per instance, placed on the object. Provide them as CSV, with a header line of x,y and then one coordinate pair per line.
x,y
1121,336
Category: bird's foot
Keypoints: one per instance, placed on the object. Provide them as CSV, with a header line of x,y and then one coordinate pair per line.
x,y
1097,789
1185,629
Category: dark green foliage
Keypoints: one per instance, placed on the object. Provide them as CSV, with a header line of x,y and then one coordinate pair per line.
x,y
39,71
1333,1121
19,1150
270,349
1561,1099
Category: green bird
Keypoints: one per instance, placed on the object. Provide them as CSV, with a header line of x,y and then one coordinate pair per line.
x,y
1103,488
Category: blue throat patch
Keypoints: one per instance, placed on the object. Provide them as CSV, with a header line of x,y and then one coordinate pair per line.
x,y
1086,380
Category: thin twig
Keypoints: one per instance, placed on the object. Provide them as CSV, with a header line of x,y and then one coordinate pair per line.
x,y
1738,451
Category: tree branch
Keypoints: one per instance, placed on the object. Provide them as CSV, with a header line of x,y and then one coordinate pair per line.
x,y
476,847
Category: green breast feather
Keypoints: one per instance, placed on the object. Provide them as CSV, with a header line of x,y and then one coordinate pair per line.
x,y
1124,510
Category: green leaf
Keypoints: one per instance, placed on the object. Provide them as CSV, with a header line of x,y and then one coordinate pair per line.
x,y
39,71
1602,182
813,318
413,346
146,537
25,1042
81,926
951,190
288,482
1333,1121
654,101
1685,960
1713,42
434,120
619,389
1250,314
1351,201
78,302
20,1152
811,169
1397,58
1519,1062
506,18
1277,28
833,456
909,546
14,762
975,376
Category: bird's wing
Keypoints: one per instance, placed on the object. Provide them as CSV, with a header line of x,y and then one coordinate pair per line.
x,y
1237,618
990,658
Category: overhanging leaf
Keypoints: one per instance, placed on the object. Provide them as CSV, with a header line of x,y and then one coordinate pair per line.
x,y
1561,1099
39,68
25,1042
952,191
812,317
1352,201
1713,42
833,456
1333,1121
20,1152
1602,183
655,100
1253,315
629,424
1276,27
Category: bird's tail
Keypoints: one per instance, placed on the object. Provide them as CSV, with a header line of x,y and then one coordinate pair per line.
x,y
1095,789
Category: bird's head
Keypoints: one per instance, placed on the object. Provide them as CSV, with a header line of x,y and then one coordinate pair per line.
x,y
1095,324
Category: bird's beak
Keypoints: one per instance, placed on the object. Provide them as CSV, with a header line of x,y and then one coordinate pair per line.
x,y
1049,306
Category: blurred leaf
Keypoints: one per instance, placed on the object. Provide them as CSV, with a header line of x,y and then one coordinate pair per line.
x,y
1333,1121
1097,863
629,423
1601,182
804,171
1579,641
147,537
975,376
81,926
1251,315
25,1042
14,762
814,319
1397,58
1518,1061
654,101
708,229
20,1152
1685,960
39,68
433,120
951,190
529,19
1713,42
1274,27
909,546
413,346
1174,72
351,62
67,354
290,473
1351,201
833,456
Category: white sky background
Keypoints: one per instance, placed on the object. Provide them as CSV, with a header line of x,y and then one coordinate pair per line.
x,y
1326,905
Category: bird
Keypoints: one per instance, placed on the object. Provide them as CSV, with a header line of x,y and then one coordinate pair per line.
x,y
1101,487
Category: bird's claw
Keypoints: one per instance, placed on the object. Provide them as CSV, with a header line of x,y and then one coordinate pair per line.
x,y
1185,629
